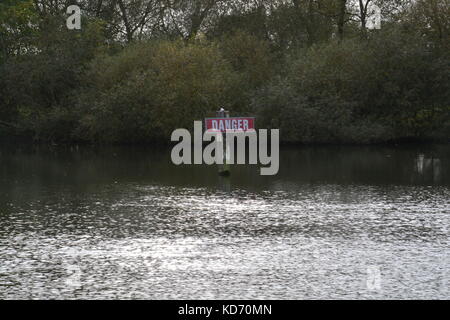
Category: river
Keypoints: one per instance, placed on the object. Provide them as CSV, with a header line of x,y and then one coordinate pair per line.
x,y
337,222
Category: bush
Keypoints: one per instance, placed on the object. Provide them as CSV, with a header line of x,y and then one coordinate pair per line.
x,y
148,90
252,62
357,91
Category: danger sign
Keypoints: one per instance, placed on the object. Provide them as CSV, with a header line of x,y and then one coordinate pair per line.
x,y
235,124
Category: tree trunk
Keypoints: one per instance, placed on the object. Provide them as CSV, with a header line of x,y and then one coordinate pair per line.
x,y
128,29
341,18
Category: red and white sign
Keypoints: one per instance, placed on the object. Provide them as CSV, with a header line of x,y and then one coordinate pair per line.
x,y
230,124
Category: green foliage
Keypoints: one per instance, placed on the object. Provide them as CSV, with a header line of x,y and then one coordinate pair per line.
x,y
253,63
356,91
18,26
299,66
252,22
37,85
148,90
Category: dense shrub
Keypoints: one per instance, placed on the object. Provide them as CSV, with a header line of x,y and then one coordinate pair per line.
x,y
253,63
148,90
37,87
356,91
130,76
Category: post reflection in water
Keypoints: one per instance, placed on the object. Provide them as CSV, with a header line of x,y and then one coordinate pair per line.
x,y
121,222
428,168
225,184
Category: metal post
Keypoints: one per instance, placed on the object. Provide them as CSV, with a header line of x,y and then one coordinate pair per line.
x,y
224,169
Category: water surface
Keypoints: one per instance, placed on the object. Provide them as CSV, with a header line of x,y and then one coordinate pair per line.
x,y
124,223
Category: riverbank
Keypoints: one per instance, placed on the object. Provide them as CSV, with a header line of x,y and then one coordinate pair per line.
x,y
26,140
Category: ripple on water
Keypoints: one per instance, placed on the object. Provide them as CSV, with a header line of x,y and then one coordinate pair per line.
x,y
157,242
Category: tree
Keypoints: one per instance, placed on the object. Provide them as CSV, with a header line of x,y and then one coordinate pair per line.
x,y
432,17
149,89
140,16
17,28
342,10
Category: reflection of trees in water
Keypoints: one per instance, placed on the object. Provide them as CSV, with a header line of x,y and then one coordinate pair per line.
x,y
371,165
428,168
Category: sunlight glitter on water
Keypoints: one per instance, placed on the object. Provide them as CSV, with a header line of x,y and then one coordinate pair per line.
x,y
278,239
